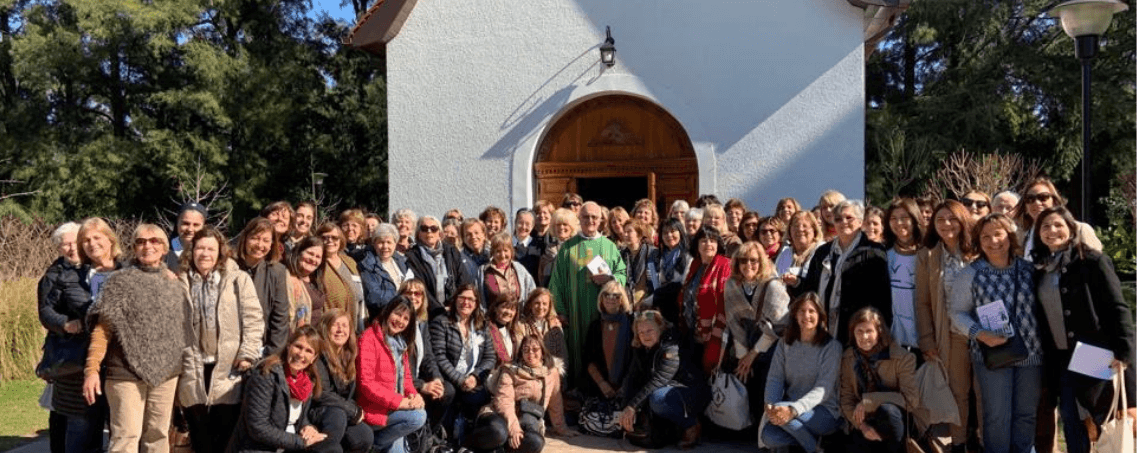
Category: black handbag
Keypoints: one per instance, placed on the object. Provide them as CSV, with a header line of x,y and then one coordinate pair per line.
x,y
63,355
1004,355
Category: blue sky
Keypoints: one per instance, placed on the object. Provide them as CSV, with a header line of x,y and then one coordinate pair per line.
x,y
333,8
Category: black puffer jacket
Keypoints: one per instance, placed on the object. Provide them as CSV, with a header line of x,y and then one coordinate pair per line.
x,y
428,368
336,393
446,342
264,415
664,365
63,295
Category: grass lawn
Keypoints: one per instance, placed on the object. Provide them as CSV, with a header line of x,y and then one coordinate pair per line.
x,y
20,414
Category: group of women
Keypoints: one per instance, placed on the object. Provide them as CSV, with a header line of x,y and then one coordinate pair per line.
x,y
432,335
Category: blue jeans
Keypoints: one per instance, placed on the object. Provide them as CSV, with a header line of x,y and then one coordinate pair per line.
x,y
1010,404
85,434
802,431
390,438
672,403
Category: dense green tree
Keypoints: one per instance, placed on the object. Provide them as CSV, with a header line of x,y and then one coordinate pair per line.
x,y
112,107
995,76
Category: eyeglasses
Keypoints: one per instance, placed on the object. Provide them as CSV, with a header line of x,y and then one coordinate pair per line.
x,y
589,217
749,261
975,203
413,293
467,299
330,237
572,204
844,219
1033,197
429,229
768,231
143,241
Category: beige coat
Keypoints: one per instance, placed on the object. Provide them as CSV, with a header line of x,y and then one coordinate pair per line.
x,y
240,328
933,317
515,383
898,372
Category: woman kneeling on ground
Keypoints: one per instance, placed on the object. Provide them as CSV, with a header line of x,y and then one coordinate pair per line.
x,y
662,383
334,412
525,391
278,394
801,389
878,386
387,394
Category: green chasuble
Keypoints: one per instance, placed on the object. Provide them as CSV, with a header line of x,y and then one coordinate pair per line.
x,y
575,295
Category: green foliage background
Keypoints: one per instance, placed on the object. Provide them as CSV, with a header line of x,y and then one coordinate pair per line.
x,y
114,107
996,76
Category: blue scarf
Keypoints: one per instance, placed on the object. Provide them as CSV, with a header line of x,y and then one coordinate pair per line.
x,y
398,346
623,341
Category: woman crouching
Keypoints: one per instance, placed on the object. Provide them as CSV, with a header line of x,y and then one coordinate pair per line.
x,y
878,386
274,414
524,390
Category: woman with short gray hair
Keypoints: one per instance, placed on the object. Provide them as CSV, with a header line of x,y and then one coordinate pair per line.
x,y
849,272
382,269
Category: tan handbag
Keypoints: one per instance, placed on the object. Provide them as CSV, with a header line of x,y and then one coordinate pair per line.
x,y
1116,432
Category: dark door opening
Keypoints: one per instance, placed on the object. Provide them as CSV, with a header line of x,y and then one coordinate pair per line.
x,y
612,192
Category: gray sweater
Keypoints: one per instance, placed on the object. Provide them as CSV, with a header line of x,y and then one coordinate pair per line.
x,y
804,376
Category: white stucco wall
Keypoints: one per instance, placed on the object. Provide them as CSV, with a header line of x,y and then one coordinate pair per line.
x,y
770,93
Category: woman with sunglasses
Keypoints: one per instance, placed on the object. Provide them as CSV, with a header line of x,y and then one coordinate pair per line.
x,y
1041,194
338,277
611,336
436,263
757,306
139,338
978,203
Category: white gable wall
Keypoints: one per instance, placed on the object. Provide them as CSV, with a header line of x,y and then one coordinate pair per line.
x,y
770,93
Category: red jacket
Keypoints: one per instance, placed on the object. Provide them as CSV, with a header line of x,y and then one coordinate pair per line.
x,y
711,308
376,367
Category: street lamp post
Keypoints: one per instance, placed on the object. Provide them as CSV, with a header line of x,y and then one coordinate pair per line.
x,y
1086,21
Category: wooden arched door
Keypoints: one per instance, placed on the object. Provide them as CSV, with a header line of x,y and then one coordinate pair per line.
x,y
615,150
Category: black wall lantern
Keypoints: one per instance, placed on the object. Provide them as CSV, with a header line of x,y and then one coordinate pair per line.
x,y
608,49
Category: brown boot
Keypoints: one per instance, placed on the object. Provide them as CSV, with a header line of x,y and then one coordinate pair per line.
x,y
690,437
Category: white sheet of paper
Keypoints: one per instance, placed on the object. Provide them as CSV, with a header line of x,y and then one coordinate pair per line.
x,y
1091,361
598,266
993,317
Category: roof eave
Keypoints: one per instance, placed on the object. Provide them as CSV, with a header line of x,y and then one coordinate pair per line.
x,y
379,25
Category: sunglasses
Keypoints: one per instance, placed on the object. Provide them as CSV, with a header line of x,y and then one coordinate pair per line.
x,y
413,293
572,204
429,229
749,261
1043,197
143,241
975,203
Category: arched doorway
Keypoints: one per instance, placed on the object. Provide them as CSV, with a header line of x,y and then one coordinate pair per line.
x,y
615,150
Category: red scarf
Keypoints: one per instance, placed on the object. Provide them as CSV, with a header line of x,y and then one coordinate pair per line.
x,y
299,386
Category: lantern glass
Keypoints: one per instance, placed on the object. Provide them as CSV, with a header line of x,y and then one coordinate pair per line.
x,y
1087,17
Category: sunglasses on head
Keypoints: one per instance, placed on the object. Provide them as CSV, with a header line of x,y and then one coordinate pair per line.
x,y
429,228
981,204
